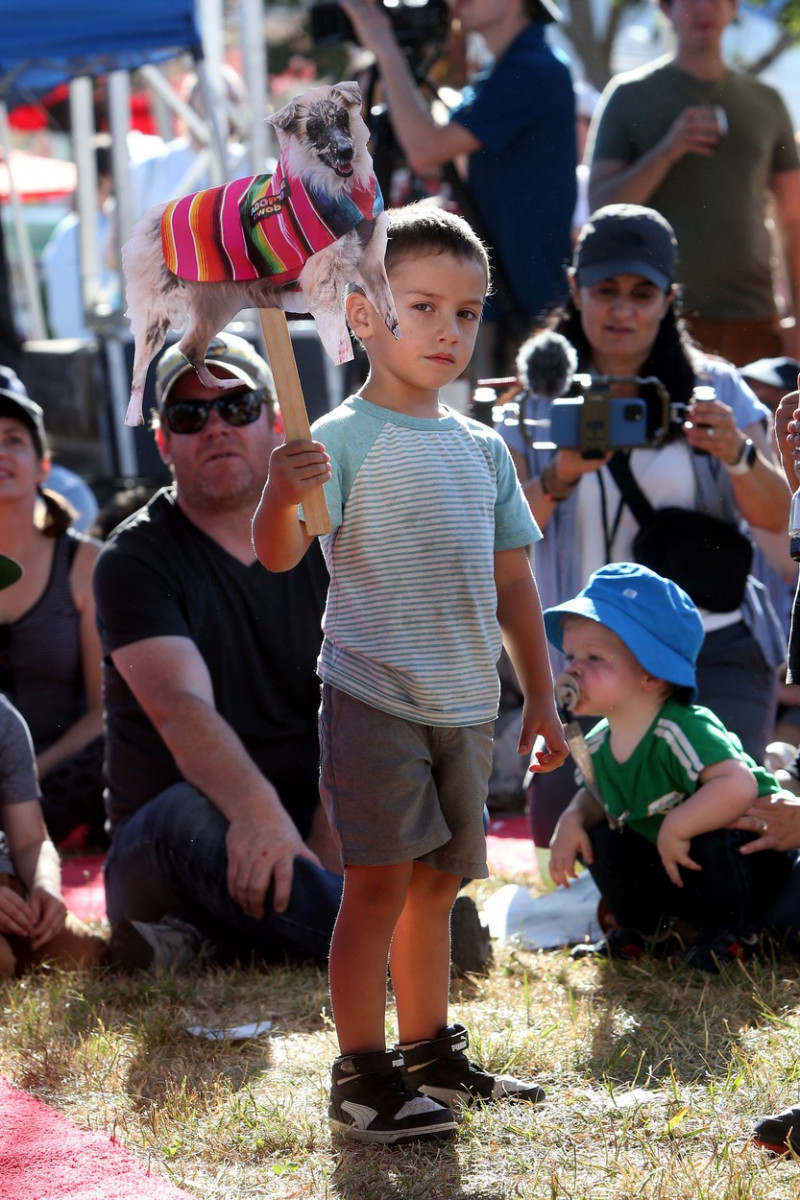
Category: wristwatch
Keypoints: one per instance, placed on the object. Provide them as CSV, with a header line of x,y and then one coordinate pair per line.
x,y
746,460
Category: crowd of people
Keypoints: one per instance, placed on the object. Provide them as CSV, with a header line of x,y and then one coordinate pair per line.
x,y
161,686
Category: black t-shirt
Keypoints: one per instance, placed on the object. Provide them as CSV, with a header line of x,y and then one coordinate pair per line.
x,y
259,634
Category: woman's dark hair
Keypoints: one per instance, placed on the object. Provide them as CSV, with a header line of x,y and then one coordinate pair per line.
x,y
58,513
673,356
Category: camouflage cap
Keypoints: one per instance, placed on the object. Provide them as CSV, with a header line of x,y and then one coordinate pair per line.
x,y
226,350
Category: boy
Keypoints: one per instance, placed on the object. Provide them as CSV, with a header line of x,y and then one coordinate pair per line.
x,y
427,562
668,776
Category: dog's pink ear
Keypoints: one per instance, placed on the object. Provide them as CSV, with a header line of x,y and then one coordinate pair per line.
x,y
350,92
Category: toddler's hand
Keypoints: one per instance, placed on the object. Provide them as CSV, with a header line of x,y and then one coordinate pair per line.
x,y
570,841
674,852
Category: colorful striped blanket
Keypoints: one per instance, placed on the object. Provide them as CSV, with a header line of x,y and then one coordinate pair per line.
x,y
263,226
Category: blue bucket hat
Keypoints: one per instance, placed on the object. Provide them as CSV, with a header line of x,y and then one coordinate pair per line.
x,y
654,617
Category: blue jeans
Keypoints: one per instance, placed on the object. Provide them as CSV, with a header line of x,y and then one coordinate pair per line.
x,y
731,891
169,859
784,913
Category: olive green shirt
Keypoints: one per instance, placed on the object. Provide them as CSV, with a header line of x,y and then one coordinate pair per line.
x,y
715,204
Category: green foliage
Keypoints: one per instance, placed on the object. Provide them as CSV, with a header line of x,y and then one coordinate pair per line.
x,y
787,18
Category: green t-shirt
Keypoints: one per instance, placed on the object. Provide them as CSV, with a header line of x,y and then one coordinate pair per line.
x,y
664,768
715,204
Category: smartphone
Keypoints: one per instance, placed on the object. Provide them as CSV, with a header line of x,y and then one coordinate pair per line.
x,y
626,423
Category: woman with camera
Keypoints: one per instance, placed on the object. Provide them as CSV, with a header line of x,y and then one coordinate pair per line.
x,y
713,457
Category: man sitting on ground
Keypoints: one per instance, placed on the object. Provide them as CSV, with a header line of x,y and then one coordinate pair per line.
x,y
218,841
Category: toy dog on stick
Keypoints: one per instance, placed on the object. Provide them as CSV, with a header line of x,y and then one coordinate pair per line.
x,y
291,241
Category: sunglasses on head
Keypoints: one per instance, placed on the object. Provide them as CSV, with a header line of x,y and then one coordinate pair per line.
x,y
190,416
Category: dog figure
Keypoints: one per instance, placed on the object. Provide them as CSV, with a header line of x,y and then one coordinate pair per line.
x,y
292,240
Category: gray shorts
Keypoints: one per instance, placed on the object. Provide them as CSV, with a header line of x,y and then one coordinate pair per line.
x,y
396,791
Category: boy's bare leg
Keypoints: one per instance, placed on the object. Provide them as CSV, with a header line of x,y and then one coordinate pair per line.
x,y
420,954
372,901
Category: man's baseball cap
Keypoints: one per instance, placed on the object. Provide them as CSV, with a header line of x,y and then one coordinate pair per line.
x,y
19,405
626,239
10,571
226,350
774,372
654,617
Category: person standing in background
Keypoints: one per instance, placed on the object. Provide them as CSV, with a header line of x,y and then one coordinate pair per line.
x,y
515,126
704,145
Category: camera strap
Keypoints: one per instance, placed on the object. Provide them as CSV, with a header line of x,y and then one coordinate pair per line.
x,y
630,494
620,469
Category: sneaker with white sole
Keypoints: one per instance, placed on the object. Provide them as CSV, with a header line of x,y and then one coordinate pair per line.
x,y
170,947
370,1102
440,1068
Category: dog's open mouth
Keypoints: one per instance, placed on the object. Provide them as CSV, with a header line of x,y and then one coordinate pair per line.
x,y
343,170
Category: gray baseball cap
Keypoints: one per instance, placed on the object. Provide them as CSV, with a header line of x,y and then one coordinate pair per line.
x,y
226,350
626,239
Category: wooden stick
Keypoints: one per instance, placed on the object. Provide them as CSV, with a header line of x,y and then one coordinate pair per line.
x,y
293,407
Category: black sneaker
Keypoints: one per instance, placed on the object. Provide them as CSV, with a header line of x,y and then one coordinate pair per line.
x,y
716,948
779,1133
371,1103
171,947
440,1068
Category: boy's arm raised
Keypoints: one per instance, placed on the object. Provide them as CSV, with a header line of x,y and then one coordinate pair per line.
x,y
279,536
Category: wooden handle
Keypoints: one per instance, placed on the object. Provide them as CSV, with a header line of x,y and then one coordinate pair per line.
x,y
293,407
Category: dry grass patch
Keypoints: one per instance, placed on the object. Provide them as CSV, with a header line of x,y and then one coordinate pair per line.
x,y
654,1079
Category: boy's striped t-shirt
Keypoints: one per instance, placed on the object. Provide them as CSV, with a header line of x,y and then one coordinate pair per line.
x,y
418,507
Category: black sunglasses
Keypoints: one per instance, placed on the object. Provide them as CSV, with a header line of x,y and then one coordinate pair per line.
x,y
190,416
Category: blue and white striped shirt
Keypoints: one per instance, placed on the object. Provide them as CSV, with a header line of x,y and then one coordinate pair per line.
x,y
418,507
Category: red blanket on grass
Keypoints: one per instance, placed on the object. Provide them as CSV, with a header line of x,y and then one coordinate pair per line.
x,y
43,1156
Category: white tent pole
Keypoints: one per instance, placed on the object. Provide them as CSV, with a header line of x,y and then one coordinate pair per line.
x,y
207,132
81,116
119,108
254,66
31,283
212,32
165,92
218,167
209,72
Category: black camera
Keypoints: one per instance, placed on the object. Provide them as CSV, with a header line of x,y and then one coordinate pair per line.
x,y
595,422
415,25
590,420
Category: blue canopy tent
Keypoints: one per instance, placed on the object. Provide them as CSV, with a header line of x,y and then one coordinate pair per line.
x,y
45,43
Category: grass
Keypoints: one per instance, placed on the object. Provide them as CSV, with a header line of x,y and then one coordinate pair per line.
x,y
654,1079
